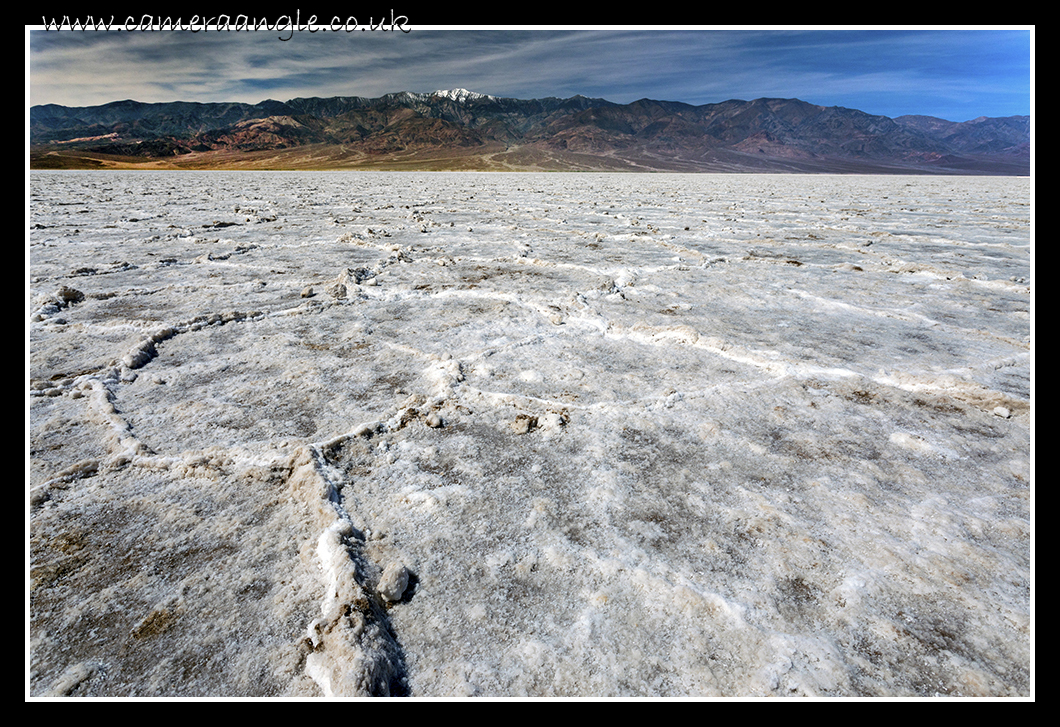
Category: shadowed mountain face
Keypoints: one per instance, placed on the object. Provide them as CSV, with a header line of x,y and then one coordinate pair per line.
x,y
463,130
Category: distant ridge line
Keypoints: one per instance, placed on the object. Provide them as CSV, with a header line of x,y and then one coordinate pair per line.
x,y
474,130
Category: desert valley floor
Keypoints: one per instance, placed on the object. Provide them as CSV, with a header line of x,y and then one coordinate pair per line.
x,y
503,435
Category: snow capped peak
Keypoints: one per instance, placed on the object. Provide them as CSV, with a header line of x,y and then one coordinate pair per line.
x,y
460,94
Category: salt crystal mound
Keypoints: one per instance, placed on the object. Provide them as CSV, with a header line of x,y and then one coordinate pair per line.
x,y
612,435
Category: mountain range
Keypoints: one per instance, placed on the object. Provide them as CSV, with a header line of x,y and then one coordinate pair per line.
x,y
459,129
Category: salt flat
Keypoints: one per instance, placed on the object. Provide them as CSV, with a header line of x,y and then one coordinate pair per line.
x,y
305,434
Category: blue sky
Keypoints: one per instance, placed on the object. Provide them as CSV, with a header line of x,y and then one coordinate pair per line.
x,y
953,73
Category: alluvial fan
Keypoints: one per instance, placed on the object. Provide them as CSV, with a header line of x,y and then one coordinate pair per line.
x,y
351,434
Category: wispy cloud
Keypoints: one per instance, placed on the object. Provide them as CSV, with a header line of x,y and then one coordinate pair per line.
x,y
956,74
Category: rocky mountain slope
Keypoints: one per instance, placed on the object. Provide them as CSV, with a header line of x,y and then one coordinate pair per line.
x,y
461,129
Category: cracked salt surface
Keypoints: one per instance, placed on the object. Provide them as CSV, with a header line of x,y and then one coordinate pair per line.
x,y
546,435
